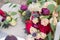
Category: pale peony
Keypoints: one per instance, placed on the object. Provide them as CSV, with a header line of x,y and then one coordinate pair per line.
x,y
49,2
33,30
34,7
29,37
44,21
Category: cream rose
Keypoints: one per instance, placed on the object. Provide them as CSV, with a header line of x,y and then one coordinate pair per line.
x,y
44,21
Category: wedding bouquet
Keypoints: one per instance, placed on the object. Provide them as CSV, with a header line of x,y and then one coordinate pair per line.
x,y
40,18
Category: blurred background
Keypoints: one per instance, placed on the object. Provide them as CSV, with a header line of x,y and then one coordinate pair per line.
x,y
12,1
19,1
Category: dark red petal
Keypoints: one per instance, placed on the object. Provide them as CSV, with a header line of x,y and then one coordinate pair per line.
x,y
45,29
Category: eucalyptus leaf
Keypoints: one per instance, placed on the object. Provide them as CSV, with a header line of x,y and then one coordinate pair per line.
x,y
51,7
13,13
58,9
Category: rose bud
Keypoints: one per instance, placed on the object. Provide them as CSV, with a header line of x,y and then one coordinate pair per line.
x,y
2,14
45,11
13,22
24,7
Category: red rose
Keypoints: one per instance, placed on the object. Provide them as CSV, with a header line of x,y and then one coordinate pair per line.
x,y
2,14
45,29
28,25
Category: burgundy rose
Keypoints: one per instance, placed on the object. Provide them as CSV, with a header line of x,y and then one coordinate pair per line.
x,y
45,11
24,7
45,29
2,13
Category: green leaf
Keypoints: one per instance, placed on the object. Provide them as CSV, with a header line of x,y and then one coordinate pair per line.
x,y
20,11
51,7
53,27
58,9
14,6
13,13
29,1
42,1
49,0
49,36
10,5
46,16
5,25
